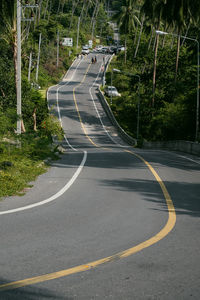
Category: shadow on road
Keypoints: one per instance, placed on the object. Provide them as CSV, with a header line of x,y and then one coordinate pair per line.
x,y
185,196
30,293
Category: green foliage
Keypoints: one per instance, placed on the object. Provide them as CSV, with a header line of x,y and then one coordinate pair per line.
x,y
51,126
27,152
174,113
25,157
7,121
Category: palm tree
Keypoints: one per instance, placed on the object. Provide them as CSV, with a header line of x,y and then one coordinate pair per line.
x,y
140,34
75,3
141,23
153,11
126,19
175,14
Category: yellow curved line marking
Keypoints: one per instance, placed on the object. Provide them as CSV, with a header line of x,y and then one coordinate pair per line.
x,y
156,238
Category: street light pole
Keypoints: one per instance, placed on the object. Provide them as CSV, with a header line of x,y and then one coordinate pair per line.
x,y
57,59
38,58
19,111
78,28
197,110
138,108
29,67
111,86
197,105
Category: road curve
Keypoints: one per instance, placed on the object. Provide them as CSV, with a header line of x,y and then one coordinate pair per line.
x,y
102,202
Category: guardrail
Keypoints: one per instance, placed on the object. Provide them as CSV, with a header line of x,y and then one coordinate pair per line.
x,y
183,146
131,141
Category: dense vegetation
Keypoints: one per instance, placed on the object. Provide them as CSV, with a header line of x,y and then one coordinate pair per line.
x,y
167,66
51,20
21,157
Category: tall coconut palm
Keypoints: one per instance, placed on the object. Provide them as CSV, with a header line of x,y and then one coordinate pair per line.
x,y
175,14
95,11
140,34
153,11
126,18
75,3
138,11
46,8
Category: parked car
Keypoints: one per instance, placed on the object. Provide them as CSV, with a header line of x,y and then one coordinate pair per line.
x,y
113,50
85,50
99,48
105,50
121,48
112,91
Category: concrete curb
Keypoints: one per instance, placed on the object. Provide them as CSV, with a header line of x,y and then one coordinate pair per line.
x,y
131,141
127,138
183,146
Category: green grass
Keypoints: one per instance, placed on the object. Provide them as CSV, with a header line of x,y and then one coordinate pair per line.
x,y
26,163
43,93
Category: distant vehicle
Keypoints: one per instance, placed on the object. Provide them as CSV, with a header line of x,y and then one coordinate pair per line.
x,y
121,48
99,48
85,50
105,50
113,49
112,91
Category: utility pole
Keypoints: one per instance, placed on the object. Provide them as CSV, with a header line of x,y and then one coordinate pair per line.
x,y
29,67
93,26
19,92
38,59
79,19
57,64
19,96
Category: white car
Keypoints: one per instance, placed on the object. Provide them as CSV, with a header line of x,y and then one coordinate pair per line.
x,y
85,50
99,48
112,91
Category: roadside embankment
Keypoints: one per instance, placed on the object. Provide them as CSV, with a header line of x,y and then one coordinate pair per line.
x,y
183,146
122,133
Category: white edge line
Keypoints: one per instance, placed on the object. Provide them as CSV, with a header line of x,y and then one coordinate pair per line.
x,y
182,156
185,157
52,198
58,108
104,128
69,183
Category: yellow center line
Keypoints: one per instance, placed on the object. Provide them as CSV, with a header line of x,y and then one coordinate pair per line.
x,y
81,268
77,109
78,112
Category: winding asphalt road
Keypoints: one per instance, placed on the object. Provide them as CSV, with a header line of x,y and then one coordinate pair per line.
x,y
107,221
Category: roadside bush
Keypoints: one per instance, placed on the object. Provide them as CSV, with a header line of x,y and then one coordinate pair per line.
x,y
51,126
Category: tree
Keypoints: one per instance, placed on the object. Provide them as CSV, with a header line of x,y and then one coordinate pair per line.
x,y
8,26
175,14
126,18
154,10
